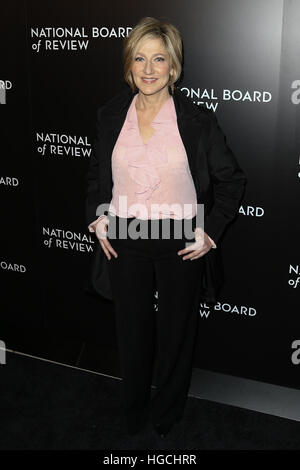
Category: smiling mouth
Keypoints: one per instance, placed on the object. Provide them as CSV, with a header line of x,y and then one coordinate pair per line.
x,y
149,80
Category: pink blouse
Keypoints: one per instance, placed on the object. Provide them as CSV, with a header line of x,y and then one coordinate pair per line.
x,y
151,180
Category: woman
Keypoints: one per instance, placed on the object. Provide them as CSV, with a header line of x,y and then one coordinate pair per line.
x,y
167,159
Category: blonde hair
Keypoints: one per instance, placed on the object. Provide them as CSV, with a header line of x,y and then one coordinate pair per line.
x,y
150,28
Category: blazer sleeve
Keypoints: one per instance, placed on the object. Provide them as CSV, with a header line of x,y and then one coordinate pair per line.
x,y
228,181
92,179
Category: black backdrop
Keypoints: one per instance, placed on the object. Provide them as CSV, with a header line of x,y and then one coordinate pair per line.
x,y
62,60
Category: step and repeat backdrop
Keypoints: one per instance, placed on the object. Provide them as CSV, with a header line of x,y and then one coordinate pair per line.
x,y
59,62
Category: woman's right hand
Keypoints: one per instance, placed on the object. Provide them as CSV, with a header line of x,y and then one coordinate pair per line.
x,y
101,233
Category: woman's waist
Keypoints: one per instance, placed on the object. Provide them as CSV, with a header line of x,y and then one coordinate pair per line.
x,y
165,227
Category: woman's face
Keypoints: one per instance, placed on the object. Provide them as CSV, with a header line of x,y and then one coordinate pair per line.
x,y
151,61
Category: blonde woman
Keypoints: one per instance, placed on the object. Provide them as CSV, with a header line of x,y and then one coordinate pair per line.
x,y
157,161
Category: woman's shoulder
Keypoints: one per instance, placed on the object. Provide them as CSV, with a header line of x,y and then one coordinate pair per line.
x,y
190,109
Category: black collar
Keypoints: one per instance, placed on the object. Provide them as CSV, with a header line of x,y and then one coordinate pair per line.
x,y
119,104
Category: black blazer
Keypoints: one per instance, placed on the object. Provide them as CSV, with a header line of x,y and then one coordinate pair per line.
x,y
219,181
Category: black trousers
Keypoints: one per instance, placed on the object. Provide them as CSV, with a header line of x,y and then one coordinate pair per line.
x,y
165,335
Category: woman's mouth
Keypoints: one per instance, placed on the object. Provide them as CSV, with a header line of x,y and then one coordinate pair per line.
x,y
149,80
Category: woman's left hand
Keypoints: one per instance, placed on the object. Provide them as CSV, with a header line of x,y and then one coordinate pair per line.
x,y
199,248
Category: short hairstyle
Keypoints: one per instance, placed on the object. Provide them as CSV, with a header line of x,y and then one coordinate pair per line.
x,y
151,28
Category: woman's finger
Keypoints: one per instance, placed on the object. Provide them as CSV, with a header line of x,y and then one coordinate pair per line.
x,y
197,253
108,248
191,247
104,248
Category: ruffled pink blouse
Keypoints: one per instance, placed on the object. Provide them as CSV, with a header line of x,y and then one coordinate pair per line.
x,y
152,174
151,180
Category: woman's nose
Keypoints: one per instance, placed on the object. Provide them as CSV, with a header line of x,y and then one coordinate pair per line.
x,y
148,68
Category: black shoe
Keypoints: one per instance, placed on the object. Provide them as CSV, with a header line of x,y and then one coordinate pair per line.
x,y
135,427
133,430
162,429
135,424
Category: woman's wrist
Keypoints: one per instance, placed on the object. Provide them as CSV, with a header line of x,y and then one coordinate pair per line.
x,y
92,225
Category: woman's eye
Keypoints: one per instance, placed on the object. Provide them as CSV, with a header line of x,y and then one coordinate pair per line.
x,y
137,58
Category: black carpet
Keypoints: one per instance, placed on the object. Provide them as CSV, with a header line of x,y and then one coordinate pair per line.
x,y
50,406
